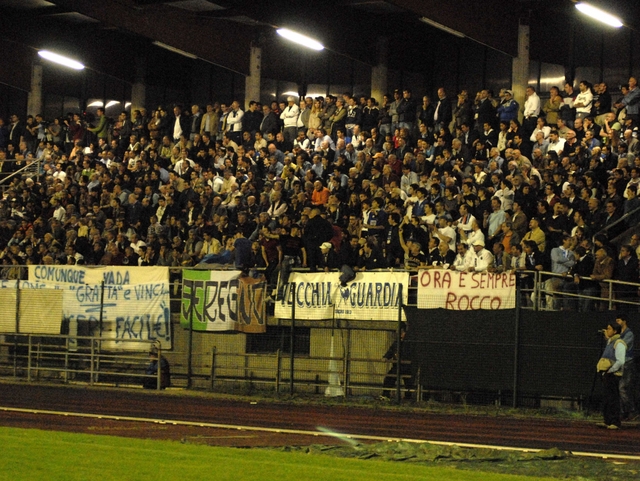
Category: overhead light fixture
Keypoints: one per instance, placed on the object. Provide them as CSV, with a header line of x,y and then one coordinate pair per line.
x,y
444,28
300,39
61,59
599,15
175,50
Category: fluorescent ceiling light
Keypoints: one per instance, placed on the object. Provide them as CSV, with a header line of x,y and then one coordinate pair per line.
x,y
61,59
444,28
111,103
300,39
599,15
97,103
175,50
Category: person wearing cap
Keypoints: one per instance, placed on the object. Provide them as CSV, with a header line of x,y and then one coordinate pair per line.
x,y
610,366
508,108
629,387
482,261
328,258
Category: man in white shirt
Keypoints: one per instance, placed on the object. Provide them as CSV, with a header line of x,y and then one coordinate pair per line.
x,y
465,222
584,100
542,127
483,258
290,117
234,122
531,110
183,164
445,232
556,144
464,258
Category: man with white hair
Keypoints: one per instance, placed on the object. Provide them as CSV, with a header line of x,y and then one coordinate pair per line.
x,y
290,117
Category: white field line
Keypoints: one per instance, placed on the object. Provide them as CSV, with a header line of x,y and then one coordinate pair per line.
x,y
323,433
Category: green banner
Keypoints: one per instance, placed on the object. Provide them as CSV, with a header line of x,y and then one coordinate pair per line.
x,y
222,301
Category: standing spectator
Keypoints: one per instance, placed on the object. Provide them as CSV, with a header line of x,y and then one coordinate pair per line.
x,y
317,231
577,284
531,112
584,101
234,122
179,126
252,119
552,106
289,116
508,108
16,131
562,260
195,122
610,367
407,111
631,101
443,114
603,270
397,353
626,271
210,122
629,382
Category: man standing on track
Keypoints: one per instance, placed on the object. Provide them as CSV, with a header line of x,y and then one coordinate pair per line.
x,y
610,366
629,380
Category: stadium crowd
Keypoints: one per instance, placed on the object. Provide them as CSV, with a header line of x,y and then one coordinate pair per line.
x,y
449,182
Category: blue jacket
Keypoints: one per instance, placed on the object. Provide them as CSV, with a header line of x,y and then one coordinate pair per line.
x,y
631,101
628,338
508,110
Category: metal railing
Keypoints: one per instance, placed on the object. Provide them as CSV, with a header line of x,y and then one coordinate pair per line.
x,y
541,293
621,220
31,169
214,365
70,359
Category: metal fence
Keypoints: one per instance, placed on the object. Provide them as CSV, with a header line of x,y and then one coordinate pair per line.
x,y
331,357
73,359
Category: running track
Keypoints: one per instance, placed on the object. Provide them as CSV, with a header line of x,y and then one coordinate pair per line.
x,y
575,436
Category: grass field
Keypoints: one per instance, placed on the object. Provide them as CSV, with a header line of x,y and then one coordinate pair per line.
x,y
28,454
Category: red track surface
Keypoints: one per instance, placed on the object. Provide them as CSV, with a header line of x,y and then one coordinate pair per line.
x,y
488,430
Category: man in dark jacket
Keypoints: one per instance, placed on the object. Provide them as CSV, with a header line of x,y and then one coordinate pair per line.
x,y
269,123
626,271
407,110
396,354
444,113
317,231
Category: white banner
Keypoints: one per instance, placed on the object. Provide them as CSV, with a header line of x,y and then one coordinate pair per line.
x,y
370,296
465,291
134,301
111,275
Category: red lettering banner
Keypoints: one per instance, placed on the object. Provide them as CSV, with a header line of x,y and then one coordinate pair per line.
x,y
466,291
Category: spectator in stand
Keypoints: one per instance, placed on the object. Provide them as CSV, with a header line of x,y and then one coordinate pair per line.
x,y
626,270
